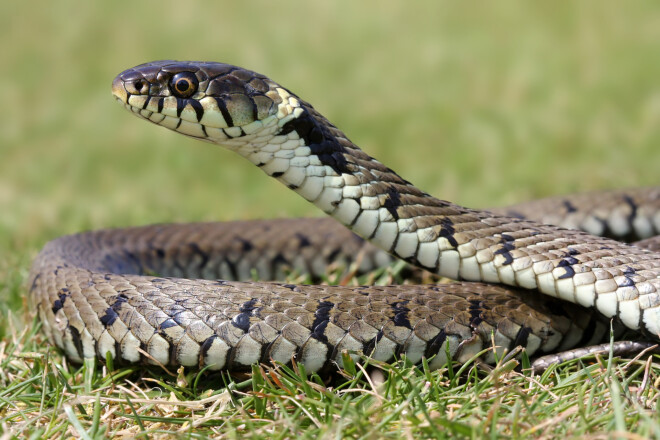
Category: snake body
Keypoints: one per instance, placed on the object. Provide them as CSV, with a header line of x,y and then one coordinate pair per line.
x,y
181,295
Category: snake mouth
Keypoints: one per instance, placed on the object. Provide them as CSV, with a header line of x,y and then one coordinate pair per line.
x,y
180,125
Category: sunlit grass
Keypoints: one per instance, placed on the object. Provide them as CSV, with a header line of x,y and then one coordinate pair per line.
x,y
43,396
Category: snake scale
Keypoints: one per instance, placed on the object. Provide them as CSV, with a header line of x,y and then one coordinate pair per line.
x,y
172,294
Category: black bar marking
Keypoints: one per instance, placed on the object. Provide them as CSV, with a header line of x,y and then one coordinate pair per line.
x,y
370,346
246,245
522,337
505,251
507,237
475,313
118,357
569,206
144,348
447,231
59,303
633,207
171,352
34,282
255,113
589,331
321,320
167,324
329,152
568,273
400,317
225,113
77,342
567,261
233,273
278,261
180,105
303,240
392,202
199,109
204,349
242,320
109,317
194,247
436,344
302,125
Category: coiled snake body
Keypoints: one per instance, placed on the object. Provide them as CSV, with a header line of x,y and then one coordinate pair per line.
x,y
96,292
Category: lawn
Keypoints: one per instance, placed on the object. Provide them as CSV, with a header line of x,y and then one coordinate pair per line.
x,y
480,104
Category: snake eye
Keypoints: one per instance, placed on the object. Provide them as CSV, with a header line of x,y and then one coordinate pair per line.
x,y
184,84
140,85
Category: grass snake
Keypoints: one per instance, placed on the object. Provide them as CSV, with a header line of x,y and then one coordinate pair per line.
x,y
182,294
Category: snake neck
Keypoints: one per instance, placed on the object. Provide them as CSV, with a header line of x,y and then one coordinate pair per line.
x,y
312,157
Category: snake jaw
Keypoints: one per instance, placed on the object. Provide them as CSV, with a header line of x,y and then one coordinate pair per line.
x,y
229,106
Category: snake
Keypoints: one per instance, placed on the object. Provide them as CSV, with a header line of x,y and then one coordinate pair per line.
x,y
187,294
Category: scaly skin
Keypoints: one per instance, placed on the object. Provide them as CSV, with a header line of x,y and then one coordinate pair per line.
x,y
94,298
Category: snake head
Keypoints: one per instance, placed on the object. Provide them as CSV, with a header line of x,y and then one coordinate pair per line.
x,y
215,102
243,111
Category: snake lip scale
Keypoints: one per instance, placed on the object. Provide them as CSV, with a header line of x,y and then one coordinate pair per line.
x,y
97,295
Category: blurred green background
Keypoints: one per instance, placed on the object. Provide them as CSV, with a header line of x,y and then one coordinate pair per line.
x,y
480,103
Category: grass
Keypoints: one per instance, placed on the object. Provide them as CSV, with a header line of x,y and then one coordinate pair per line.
x,y
483,105
44,397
